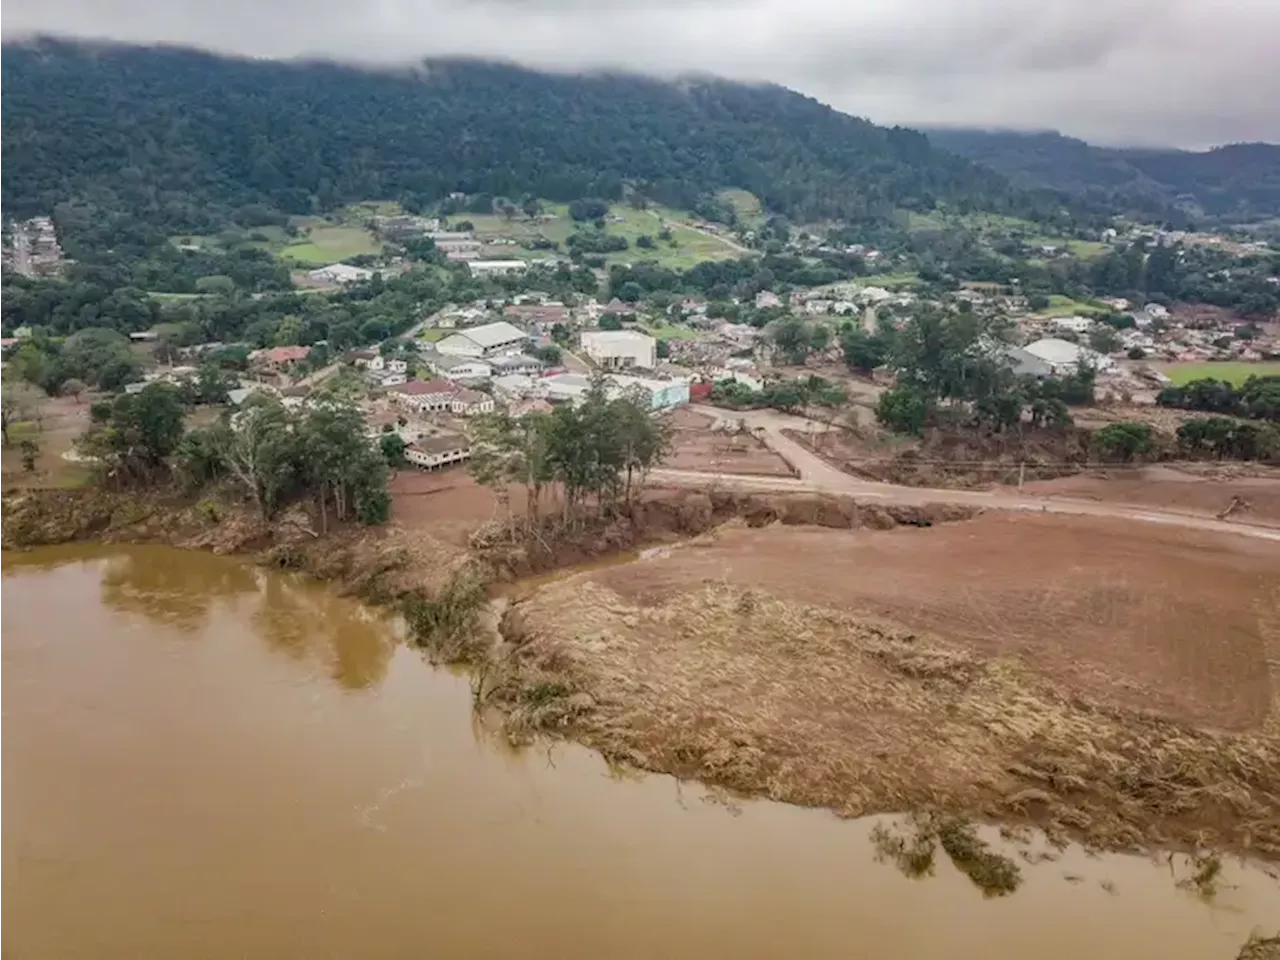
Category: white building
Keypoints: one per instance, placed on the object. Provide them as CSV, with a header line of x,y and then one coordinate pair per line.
x,y
1072,324
1064,357
438,451
491,339
389,365
340,273
461,369
620,349
470,403
493,268
425,396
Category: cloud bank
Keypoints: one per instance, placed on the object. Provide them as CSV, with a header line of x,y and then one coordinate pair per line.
x,y
1190,73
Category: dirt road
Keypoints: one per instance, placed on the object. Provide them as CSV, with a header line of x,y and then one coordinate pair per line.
x,y
816,475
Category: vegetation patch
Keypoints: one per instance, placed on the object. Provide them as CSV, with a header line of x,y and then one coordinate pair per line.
x,y
1234,373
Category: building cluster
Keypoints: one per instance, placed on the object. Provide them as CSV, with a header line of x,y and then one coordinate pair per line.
x,y
34,250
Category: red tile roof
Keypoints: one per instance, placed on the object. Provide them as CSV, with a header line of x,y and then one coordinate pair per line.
x,y
284,354
421,388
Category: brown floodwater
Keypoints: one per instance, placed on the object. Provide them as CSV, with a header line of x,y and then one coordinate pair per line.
x,y
203,759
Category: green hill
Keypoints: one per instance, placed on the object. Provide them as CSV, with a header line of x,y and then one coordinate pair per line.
x,y
1239,182
188,141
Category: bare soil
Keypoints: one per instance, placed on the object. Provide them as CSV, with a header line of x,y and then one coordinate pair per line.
x,y
1206,490
949,459
1111,681
696,446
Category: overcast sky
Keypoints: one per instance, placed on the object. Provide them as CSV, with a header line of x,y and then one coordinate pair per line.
x,y
1190,73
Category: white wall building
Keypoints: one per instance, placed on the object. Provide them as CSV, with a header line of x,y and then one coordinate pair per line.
x,y
438,451
1072,324
620,349
494,268
489,340
340,273
1064,357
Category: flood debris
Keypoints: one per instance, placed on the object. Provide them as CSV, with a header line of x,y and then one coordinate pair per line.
x,y
912,847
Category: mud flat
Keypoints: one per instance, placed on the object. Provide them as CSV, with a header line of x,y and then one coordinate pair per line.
x,y
1114,682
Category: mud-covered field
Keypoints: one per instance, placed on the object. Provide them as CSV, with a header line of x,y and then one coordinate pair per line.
x,y
1111,681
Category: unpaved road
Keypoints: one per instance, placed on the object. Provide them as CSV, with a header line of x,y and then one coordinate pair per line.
x,y
818,476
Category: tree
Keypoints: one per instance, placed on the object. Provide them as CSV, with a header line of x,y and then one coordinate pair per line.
x,y
792,338
645,242
590,208
74,388
392,447
819,337
631,292
13,408
134,434
1104,339
610,321
904,409
550,354
219,285
662,350
30,452
1124,441
863,351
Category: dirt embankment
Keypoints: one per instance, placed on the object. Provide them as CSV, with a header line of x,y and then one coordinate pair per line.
x,y
1112,682
951,459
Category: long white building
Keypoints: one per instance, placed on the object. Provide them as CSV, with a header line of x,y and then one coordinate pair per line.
x,y
620,349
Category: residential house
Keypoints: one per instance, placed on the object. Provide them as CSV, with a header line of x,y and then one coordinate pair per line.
x,y
388,364
470,403
278,358
620,308
527,313
620,349
492,268
362,358
438,451
389,378
488,340
340,273
1072,324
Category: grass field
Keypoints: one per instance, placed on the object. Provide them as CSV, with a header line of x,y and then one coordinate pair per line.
x,y
329,243
1060,306
1236,373
670,331
691,246
321,242
747,205
995,223
890,281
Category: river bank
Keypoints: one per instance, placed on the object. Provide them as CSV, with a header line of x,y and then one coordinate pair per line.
x,y
742,658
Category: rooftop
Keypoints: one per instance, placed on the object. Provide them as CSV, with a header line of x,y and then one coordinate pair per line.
x,y
493,334
422,388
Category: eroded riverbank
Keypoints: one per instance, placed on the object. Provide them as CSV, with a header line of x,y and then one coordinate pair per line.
x,y
208,759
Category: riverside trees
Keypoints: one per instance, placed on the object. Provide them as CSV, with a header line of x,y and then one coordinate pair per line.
x,y
269,453
599,450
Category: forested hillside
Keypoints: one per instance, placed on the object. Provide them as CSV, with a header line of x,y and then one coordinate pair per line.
x,y
187,140
1237,182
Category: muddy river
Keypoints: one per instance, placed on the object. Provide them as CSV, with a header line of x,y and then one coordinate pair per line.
x,y
202,759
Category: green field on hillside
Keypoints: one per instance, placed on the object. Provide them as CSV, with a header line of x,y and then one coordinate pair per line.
x,y
1236,373
745,203
669,331
690,246
318,243
1060,306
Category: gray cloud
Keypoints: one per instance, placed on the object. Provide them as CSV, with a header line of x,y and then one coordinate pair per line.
x,y
1176,72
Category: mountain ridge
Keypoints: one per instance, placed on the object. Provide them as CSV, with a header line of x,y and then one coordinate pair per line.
x,y
1235,181
171,131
